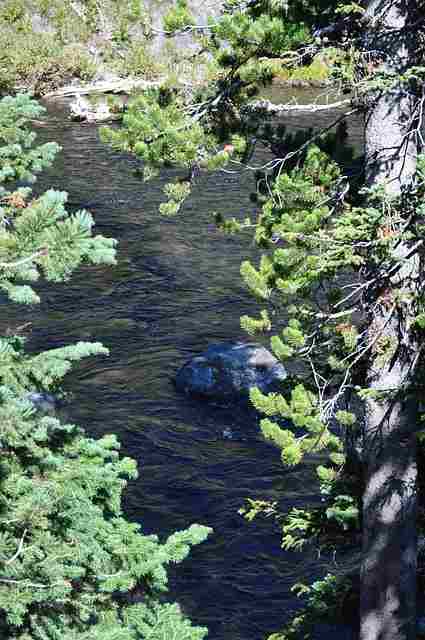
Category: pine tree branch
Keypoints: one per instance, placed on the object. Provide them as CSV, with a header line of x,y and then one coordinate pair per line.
x,y
35,585
19,263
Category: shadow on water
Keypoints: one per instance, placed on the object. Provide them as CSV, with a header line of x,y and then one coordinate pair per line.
x,y
175,290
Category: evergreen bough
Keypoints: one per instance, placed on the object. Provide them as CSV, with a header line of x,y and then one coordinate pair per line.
x,y
72,567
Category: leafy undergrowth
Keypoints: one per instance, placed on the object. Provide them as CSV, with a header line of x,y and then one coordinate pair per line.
x,y
46,43
39,62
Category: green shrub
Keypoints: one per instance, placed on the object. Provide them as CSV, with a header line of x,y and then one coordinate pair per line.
x,y
317,71
138,61
13,11
39,61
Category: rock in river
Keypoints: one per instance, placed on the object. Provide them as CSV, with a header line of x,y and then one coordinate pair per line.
x,y
44,402
229,370
47,404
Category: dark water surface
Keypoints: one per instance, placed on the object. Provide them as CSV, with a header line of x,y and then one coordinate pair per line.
x,y
175,290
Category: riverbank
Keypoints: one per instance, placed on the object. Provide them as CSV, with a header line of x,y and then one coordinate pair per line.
x,y
45,46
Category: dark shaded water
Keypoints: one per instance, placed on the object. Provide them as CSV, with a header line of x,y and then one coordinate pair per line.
x,y
175,290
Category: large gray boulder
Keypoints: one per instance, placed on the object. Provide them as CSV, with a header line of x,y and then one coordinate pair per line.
x,y
228,371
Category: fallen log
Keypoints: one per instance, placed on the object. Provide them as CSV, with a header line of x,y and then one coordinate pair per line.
x,y
120,85
272,108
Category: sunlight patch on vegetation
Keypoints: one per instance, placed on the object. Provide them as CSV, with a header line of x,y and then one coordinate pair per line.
x,y
317,72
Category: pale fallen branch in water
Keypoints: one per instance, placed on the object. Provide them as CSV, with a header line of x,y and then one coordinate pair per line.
x,y
121,85
270,107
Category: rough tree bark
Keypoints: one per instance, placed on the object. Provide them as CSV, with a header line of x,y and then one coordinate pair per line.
x,y
388,572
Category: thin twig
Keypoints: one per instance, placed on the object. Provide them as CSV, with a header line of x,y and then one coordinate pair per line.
x,y
19,263
19,550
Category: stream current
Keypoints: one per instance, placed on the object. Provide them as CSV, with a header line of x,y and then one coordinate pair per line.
x,y
175,290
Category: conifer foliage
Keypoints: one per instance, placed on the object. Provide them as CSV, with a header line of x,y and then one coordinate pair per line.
x,y
71,565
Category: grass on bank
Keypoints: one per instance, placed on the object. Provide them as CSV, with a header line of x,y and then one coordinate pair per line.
x,y
44,44
317,72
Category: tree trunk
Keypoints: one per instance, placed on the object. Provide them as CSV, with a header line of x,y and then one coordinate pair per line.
x,y
388,572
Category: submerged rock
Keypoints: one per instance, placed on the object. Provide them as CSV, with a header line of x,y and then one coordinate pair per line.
x,y
228,371
44,402
47,404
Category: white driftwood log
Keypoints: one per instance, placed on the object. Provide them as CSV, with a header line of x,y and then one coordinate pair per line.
x,y
270,107
121,85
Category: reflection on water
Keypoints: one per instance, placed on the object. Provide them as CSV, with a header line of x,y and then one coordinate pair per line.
x,y
175,290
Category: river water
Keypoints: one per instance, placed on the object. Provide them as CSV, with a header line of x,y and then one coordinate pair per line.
x,y
175,290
